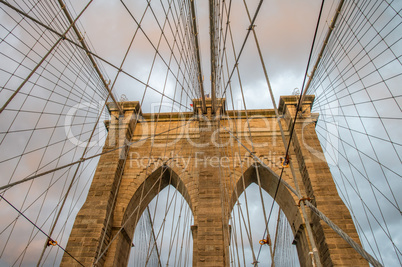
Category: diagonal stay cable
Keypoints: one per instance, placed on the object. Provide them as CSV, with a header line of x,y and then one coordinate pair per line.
x,y
62,37
162,36
50,239
315,252
87,158
91,53
250,28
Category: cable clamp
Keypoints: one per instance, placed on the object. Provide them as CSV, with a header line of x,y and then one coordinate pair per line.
x,y
51,242
265,241
285,161
304,199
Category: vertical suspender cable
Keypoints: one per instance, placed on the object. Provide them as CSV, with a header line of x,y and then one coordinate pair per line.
x,y
197,53
212,44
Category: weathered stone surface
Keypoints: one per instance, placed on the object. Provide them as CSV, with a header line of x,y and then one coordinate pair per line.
x,y
196,154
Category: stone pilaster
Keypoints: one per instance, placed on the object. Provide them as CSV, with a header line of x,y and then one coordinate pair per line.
x,y
210,233
320,187
88,235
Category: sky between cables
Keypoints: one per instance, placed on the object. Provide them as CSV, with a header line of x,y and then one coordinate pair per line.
x,y
359,101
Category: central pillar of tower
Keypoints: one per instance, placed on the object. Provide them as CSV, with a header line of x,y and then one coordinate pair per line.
x,y
211,233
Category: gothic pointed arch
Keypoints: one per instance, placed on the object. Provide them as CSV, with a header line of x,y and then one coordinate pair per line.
x,y
145,193
269,182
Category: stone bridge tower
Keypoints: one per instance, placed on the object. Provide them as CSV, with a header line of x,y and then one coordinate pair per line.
x,y
216,171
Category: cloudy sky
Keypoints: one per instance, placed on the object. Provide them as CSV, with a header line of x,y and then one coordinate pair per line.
x,y
285,30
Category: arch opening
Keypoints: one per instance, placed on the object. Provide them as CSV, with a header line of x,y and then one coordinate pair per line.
x,y
247,189
269,183
163,234
248,228
151,199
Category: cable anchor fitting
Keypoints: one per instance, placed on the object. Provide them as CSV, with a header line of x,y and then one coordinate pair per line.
x,y
266,241
51,242
304,199
285,161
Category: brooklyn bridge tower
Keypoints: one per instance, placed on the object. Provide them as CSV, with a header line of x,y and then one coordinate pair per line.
x,y
213,142
190,176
